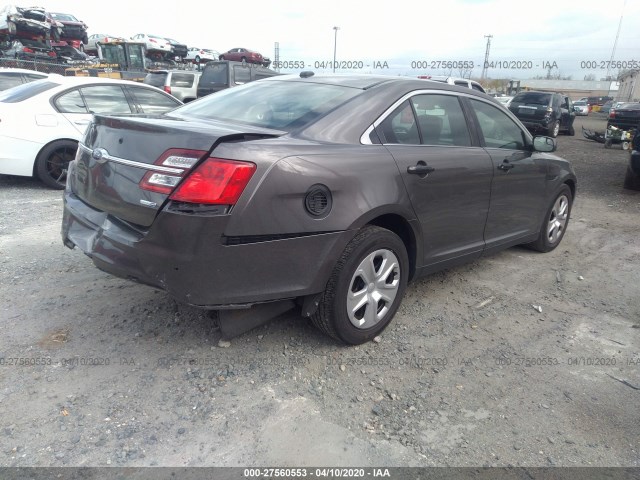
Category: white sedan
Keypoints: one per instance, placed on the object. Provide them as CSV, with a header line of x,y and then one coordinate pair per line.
x,y
201,55
41,122
153,42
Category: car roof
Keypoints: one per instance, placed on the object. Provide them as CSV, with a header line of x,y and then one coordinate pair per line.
x,y
22,70
367,81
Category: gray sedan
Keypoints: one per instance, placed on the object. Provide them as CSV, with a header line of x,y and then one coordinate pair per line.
x,y
326,194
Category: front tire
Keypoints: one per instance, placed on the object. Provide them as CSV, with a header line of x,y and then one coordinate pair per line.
x,y
53,161
365,288
556,221
554,129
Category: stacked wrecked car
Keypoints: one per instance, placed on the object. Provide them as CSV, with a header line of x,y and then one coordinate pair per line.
x,y
33,34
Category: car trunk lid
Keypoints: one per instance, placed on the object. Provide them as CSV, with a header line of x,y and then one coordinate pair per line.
x,y
118,153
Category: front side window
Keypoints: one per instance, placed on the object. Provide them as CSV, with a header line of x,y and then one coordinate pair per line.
x,y
498,130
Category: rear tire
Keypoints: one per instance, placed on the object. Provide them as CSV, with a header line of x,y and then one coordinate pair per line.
x,y
53,161
631,180
221,57
555,222
365,288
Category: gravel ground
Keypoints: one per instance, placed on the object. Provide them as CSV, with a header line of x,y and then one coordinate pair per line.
x,y
521,358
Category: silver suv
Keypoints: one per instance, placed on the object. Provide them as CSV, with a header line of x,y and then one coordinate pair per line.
x,y
182,84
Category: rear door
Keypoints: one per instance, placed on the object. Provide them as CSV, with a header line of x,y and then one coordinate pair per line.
x,y
447,178
79,104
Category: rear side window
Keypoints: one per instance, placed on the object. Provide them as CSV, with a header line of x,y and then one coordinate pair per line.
x,y
71,102
105,99
427,120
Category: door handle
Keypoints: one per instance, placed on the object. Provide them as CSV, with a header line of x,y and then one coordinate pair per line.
x,y
505,166
421,169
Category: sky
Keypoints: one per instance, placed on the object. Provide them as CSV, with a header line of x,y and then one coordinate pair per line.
x,y
573,37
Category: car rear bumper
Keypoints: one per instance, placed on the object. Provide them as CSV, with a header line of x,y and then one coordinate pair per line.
x,y
186,256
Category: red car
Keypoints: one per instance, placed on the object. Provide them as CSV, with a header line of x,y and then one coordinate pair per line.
x,y
242,55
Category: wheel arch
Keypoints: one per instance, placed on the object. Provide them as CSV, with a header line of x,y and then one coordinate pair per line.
x,y
403,229
400,221
45,146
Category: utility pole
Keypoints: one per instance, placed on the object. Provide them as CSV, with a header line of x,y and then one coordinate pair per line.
x,y
485,66
276,57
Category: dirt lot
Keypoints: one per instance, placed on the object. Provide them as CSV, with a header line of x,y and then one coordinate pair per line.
x,y
517,359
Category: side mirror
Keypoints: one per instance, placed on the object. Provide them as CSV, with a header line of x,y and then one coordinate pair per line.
x,y
544,144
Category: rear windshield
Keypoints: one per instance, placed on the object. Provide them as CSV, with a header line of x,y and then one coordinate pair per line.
x,y
214,74
155,79
271,104
26,91
580,103
532,98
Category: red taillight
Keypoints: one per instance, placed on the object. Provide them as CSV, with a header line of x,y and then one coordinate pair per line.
x,y
152,40
177,161
167,89
27,50
105,39
215,182
612,113
52,54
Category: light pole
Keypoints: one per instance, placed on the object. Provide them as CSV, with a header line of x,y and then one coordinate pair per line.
x,y
335,44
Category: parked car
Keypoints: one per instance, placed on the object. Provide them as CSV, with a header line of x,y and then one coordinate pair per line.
x,y
461,82
625,117
182,84
604,108
42,121
201,55
11,77
632,176
177,49
72,29
545,112
321,193
92,46
153,42
242,55
223,74
581,107
31,50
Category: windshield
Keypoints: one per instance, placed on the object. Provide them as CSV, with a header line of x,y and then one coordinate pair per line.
x,y
281,105
64,17
26,91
